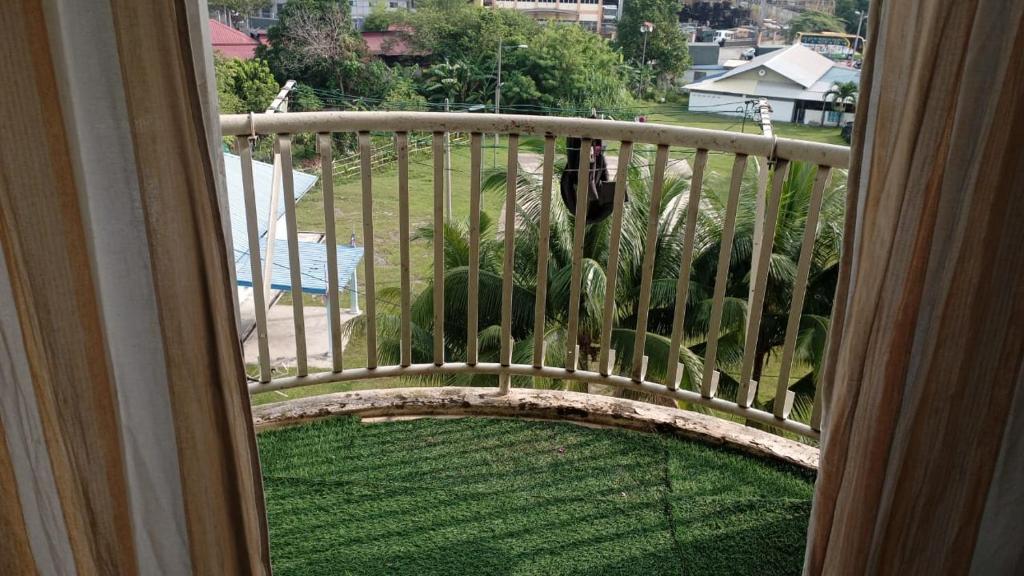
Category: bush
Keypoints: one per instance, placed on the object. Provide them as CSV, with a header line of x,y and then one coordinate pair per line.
x,y
244,85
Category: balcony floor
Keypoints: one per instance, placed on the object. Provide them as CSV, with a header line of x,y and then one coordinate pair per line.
x,y
490,496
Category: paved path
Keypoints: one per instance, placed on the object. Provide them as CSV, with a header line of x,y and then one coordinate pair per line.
x,y
281,325
531,162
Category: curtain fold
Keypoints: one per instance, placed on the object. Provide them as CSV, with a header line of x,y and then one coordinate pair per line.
x,y
928,330
126,439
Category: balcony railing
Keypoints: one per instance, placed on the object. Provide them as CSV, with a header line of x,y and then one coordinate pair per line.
x,y
780,152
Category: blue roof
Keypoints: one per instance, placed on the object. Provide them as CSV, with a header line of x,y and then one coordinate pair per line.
x,y
312,256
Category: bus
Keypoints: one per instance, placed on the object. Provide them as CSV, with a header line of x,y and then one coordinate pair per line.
x,y
834,45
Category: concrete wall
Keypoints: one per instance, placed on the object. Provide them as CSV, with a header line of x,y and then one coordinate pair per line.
x,y
814,118
782,110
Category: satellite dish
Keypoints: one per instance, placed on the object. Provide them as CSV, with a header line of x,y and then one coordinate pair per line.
x,y
601,199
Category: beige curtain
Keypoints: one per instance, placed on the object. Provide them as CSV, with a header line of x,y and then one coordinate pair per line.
x,y
921,464
126,444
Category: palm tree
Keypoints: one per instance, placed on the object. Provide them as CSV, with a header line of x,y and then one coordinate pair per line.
x,y
782,265
669,243
841,95
668,246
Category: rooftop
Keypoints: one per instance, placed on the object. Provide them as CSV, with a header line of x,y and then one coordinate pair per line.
x,y
794,72
230,42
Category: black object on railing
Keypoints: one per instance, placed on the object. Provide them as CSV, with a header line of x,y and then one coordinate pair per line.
x,y
601,190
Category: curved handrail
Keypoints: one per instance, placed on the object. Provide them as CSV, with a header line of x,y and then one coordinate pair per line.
x,y
637,132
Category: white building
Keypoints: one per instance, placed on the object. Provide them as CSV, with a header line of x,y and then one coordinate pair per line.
x,y
599,16
266,17
794,80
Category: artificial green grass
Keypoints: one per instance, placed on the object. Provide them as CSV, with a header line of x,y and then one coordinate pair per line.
x,y
488,496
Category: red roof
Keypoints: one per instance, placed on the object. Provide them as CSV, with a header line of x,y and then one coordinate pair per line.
x,y
230,42
390,43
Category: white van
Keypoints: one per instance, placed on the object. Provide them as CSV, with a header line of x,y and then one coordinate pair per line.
x,y
723,35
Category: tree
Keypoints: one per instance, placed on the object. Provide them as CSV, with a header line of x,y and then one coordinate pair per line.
x,y
244,85
793,212
812,21
313,42
381,18
569,68
841,95
782,264
402,95
666,44
846,10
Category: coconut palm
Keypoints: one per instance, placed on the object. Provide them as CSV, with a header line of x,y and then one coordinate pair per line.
x,y
782,265
841,95
668,254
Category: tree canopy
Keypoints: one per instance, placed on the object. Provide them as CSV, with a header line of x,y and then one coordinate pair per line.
x,y
244,85
546,68
666,45
846,10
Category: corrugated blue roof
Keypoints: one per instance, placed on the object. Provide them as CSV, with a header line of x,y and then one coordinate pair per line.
x,y
313,263
312,256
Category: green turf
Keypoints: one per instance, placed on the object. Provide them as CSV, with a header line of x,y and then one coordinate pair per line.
x,y
485,496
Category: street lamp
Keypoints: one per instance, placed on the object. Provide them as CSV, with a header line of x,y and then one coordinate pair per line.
x,y
645,29
860,20
497,92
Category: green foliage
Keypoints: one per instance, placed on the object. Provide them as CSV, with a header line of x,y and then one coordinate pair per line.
x,y
666,44
842,96
303,99
402,95
244,85
573,68
464,32
813,21
486,496
458,81
381,17
313,42
562,65
846,10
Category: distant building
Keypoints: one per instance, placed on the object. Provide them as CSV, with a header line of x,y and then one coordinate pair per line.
x,y
231,43
794,80
392,46
267,17
703,62
600,16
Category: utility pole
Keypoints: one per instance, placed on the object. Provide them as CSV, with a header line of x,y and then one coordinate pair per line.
x,y
856,40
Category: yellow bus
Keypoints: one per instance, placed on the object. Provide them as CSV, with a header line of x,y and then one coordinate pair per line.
x,y
835,45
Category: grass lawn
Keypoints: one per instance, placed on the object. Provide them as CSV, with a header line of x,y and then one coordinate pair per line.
x,y
348,218
486,496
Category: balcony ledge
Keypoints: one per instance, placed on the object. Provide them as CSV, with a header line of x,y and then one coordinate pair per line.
x,y
538,404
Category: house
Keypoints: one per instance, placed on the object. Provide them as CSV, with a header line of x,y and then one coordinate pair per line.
x,y
392,45
232,43
703,62
599,16
794,80
267,16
